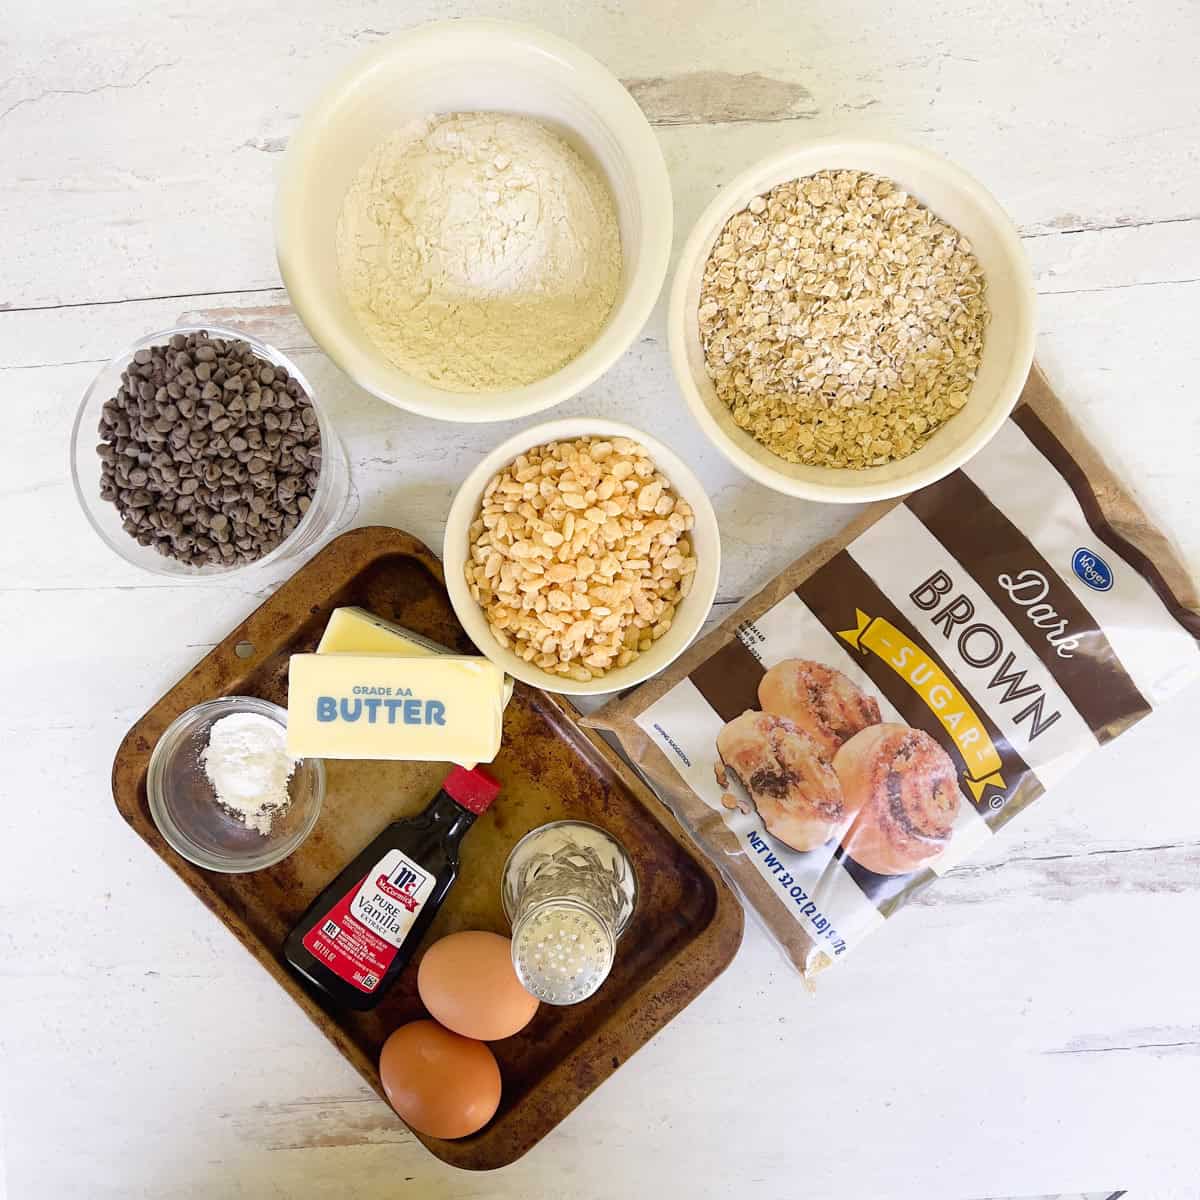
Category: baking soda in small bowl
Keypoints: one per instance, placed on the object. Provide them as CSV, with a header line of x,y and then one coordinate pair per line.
x,y
247,763
223,790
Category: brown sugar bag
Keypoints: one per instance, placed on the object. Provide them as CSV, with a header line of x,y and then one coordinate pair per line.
x,y
902,691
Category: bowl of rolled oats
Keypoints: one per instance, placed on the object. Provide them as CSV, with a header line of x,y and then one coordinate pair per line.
x,y
582,556
852,320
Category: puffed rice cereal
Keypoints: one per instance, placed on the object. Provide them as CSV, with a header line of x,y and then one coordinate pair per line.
x,y
580,555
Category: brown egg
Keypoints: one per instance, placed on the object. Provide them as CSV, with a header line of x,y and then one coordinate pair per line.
x,y
440,1084
468,983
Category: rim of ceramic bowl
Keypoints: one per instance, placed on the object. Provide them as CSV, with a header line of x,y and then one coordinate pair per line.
x,y
330,445
763,174
462,513
175,836
645,276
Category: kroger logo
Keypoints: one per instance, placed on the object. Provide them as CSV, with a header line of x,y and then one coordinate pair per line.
x,y
1092,569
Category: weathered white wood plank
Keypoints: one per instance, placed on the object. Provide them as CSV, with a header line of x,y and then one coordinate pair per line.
x,y
1109,356
143,150
1065,263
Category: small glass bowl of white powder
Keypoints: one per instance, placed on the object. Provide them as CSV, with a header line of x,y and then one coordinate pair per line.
x,y
223,790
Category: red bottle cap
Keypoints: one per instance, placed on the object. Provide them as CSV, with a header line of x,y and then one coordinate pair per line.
x,y
474,790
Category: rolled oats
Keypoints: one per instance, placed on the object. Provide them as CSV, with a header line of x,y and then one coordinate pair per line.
x,y
842,322
579,555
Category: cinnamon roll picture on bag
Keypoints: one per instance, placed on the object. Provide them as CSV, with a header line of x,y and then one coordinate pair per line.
x,y
820,700
904,789
793,786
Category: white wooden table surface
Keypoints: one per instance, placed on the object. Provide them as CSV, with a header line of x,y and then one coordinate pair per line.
x,y
1031,1026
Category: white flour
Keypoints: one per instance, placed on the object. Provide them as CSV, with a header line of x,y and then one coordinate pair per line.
x,y
479,250
247,763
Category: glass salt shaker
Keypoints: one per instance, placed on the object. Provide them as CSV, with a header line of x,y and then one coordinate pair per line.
x,y
569,891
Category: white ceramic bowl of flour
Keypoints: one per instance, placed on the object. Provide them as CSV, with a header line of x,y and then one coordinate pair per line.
x,y
457,67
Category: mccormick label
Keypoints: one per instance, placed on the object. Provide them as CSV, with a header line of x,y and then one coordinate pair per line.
x,y
358,938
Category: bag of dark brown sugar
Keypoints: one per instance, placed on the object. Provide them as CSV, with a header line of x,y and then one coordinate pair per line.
x,y
898,694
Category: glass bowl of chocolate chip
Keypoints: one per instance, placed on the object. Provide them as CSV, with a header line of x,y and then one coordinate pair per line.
x,y
202,451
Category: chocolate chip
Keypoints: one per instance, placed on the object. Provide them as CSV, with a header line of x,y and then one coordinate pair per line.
x,y
203,450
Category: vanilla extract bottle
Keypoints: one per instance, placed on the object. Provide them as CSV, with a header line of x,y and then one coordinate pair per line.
x,y
363,928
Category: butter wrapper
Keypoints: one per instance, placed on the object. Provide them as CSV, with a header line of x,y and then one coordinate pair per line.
x,y
418,709
356,631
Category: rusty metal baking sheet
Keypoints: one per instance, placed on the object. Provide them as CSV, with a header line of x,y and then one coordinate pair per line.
x,y
687,926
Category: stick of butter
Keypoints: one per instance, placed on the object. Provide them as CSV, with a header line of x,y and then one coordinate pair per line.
x,y
356,631
437,709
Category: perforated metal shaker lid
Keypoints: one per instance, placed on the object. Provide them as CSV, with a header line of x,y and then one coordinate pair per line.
x,y
562,951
